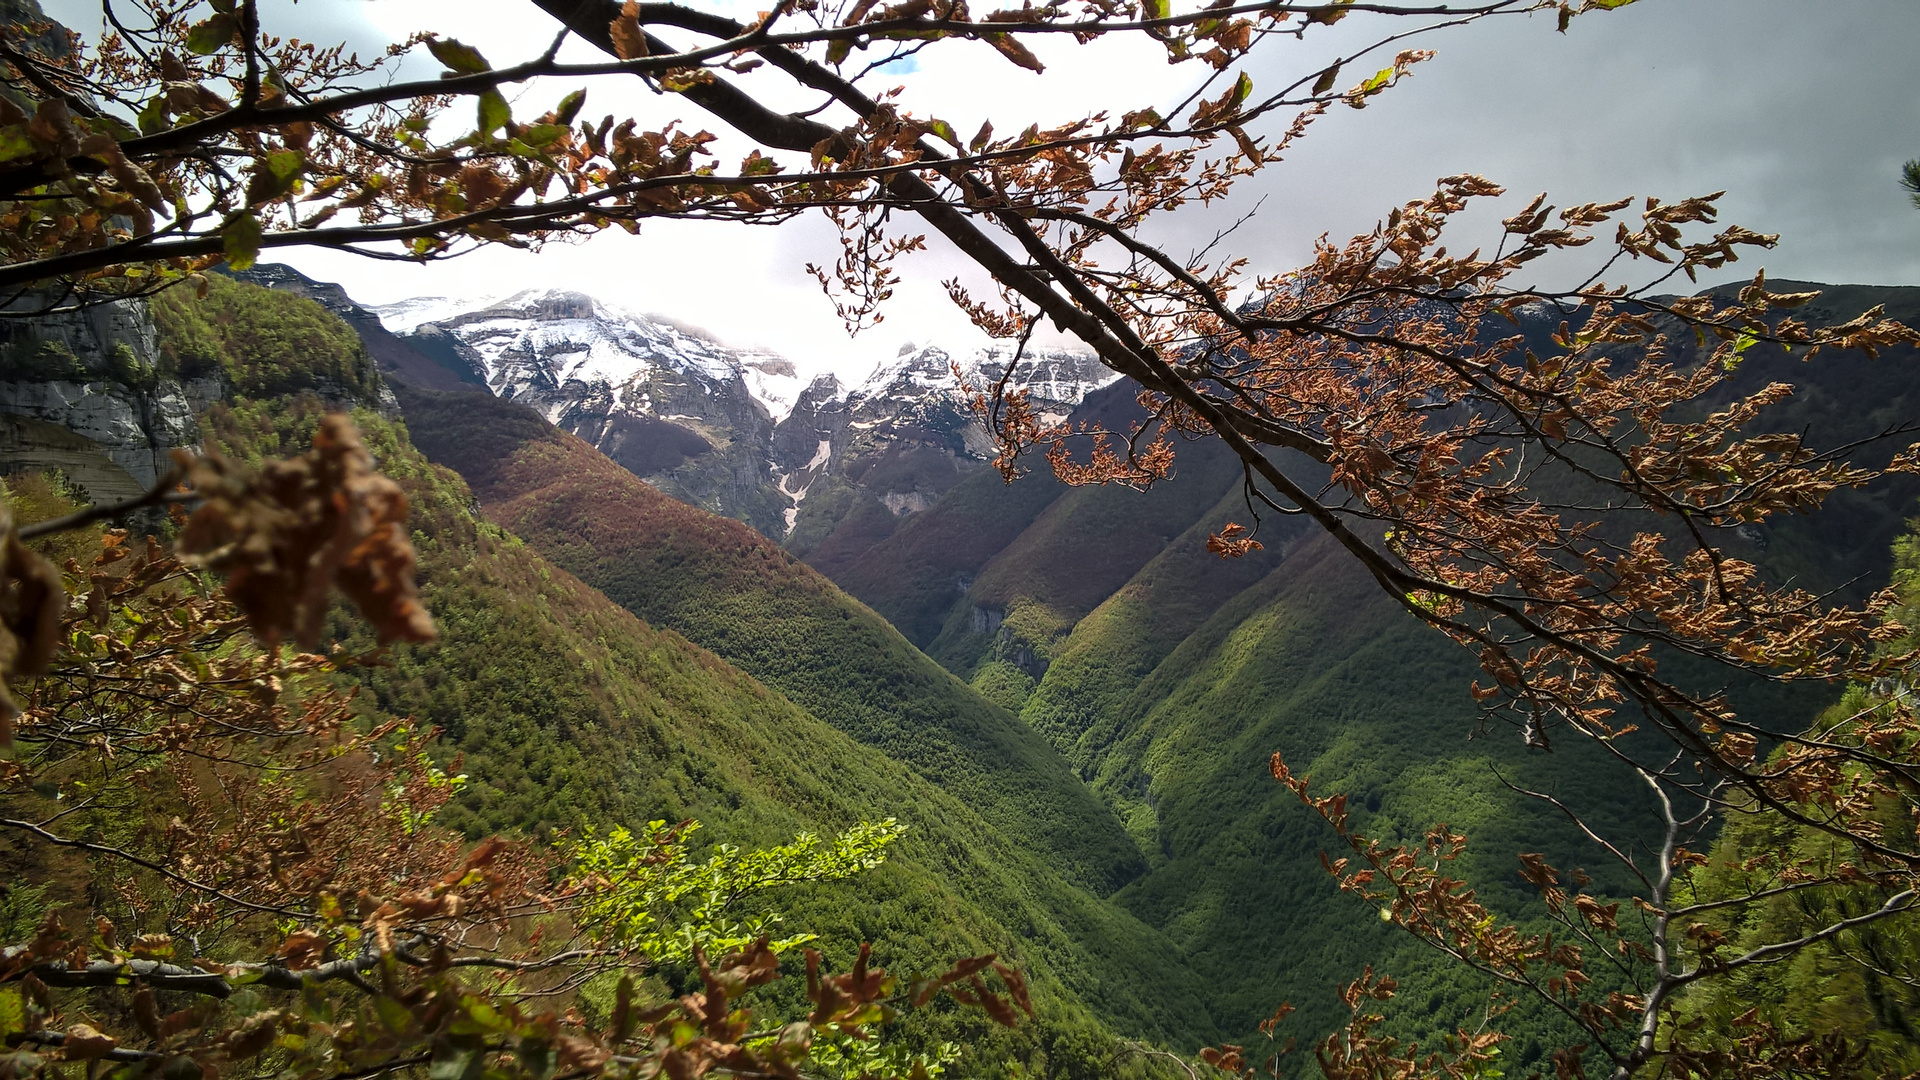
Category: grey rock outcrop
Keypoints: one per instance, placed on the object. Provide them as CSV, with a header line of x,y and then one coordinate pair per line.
x,y
91,373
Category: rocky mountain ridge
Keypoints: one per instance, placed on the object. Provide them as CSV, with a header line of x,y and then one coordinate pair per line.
x,y
733,430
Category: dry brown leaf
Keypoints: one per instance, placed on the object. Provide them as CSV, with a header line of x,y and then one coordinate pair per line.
x,y
284,535
303,949
87,1043
629,41
32,598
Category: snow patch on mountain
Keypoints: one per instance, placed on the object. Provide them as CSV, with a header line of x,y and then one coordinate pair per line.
x,y
406,316
773,381
1057,379
737,430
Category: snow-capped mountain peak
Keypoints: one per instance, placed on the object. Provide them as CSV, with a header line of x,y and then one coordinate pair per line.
x,y
1058,379
405,316
738,430
535,344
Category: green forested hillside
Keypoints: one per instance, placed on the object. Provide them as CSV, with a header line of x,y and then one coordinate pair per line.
x,y
1170,694
259,342
1043,841
1312,664
1162,676
735,592
569,711
1862,983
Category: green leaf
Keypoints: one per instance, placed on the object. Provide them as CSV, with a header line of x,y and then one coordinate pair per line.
x,y
13,1011
286,164
14,143
1325,82
485,1015
494,112
454,1062
241,238
945,131
396,1016
1155,9
210,36
1242,88
1608,5
463,59
542,135
153,115
570,106
1380,79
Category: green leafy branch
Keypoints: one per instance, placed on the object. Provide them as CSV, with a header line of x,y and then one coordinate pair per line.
x,y
646,894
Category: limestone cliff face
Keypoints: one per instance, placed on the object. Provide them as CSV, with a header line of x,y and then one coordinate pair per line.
x,y
88,392
79,392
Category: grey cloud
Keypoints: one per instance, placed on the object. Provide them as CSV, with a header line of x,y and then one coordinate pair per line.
x,y
1801,111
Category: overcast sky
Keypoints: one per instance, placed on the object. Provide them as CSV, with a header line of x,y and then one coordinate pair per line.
x,y
1802,110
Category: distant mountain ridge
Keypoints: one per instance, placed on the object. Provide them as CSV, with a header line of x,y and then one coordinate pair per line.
x,y
734,430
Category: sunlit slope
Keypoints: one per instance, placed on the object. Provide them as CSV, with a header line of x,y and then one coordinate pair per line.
x,y
1103,662
1312,663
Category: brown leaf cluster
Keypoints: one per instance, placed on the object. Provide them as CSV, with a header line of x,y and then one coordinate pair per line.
x,y
285,535
32,600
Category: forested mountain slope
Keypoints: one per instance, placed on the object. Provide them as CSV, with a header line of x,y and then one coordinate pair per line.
x,y
569,712
1170,682
735,592
1052,845
1164,675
